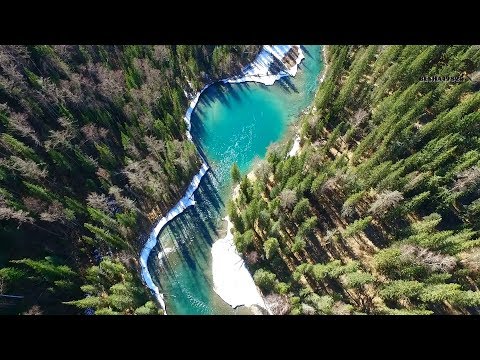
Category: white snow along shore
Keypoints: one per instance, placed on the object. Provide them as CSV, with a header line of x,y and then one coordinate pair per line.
x,y
231,279
257,71
296,146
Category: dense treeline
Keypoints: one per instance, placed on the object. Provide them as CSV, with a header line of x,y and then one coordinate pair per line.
x,y
379,211
92,149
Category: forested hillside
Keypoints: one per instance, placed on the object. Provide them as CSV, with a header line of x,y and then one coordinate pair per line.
x,y
379,212
92,150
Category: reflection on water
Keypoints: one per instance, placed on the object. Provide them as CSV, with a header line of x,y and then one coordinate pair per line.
x,y
231,123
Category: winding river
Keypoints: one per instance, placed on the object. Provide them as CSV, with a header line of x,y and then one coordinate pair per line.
x,y
231,123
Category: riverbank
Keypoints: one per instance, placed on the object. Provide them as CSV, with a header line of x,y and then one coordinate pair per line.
x,y
296,147
258,71
232,280
228,267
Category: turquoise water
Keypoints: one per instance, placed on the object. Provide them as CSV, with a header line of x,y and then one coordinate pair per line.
x,y
231,123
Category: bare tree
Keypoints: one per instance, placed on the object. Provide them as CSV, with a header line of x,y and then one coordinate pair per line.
x,y
103,174
314,159
98,201
414,178
155,146
307,309
278,304
71,90
111,82
161,53
27,168
21,216
332,235
94,133
358,118
385,201
467,179
18,122
34,310
340,308
347,210
331,184
252,258
288,198
61,137
263,171
147,120
274,148
10,60
435,261
133,151
471,260
137,174
64,51
52,94
55,212
34,205
182,163
125,202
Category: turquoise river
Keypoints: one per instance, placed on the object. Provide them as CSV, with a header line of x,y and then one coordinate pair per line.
x,y
231,123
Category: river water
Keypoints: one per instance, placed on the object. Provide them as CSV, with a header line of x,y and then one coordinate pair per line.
x,y
231,123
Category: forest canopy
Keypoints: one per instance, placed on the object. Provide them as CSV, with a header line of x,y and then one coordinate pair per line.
x,y
378,213
93,149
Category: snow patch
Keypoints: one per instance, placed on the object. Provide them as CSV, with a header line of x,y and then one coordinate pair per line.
x,y
165,252
186,201
231,279
258,70
295,147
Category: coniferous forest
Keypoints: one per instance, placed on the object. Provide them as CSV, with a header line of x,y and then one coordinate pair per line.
x,y
92,150
379,211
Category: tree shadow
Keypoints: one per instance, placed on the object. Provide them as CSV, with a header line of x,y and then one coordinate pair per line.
x,y
192,233
287,84
305,50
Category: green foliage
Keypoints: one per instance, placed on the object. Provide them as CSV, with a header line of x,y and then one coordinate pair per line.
x,y
271,247
357,226
17,147
357,279
308,226
88,131
380,143
322,304
388,311
11,274
47,268
113,290
399,289
235,173
440,292
298,245
264,279
107,237
243,241
282,288
148,309
301,210
333,269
